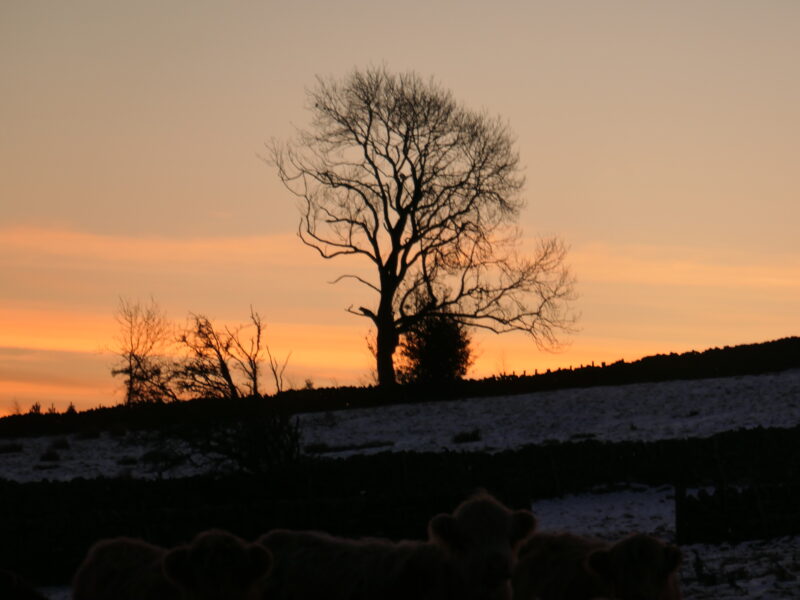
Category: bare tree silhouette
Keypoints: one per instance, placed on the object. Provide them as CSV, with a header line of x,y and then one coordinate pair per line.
x,y
278,369
203,360
207,370
225,362
394,170
142,344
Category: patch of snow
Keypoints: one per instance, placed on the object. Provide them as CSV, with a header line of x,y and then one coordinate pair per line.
x,y
57,593
640,412
612,513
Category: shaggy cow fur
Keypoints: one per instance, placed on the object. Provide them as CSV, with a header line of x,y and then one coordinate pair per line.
x,y
469,555
562,566
215,566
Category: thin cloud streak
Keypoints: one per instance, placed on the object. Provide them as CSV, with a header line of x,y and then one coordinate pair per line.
x,y
672,267
31,245
54,329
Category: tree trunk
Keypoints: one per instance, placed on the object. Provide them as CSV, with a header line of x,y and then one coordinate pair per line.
x,y
130,393
225,373
386,345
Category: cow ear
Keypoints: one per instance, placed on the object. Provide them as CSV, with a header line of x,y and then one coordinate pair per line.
x,y
445,528
599,562
672,558
523,524
259,559
176,565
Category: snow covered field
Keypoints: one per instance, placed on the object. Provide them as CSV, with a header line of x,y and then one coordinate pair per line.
x,y
678,409
642,411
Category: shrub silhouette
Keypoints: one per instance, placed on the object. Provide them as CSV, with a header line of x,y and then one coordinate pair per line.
x,y
258,438
465,437
435,350
10,448
50,455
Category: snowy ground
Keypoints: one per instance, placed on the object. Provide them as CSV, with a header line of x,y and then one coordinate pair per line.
x,y
757,569
643,411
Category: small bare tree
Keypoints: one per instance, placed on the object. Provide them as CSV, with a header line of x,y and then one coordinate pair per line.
x,y
248,354
142,346
206,372
394,170
224,362
277,369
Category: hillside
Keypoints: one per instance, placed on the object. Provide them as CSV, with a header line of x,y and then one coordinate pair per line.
x,y
746,359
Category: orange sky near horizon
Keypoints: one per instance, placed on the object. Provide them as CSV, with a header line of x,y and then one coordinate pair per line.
x,y
661,142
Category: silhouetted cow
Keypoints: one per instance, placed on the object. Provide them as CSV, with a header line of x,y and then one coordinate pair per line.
x,y
562,566
214,566
469,555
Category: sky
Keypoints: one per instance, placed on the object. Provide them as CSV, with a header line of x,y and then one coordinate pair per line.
x,y
660,141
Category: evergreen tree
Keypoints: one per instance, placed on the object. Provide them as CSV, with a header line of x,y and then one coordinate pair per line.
x,y
435,350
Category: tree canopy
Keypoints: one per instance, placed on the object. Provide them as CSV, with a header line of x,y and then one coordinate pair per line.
x,y
394,170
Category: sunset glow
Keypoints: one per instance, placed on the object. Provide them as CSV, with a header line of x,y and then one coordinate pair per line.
x,y
660,142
